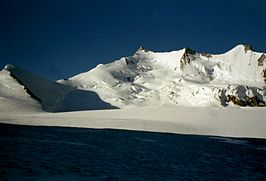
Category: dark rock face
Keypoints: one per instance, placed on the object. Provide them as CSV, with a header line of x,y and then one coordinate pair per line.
x,y
189,51
223,98
248,48
189,56
264,74
184,61
241,98
246,101
143,49
261,60
128,61
206,55
186,58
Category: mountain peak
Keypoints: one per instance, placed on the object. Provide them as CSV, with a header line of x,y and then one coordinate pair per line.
x,y
189,51
242,47
9,67
248,48
141,48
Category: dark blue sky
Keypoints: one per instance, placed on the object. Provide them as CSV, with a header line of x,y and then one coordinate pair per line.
x,y
61,38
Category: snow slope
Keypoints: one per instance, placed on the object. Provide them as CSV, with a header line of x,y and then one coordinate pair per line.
x,y
51,96
233,122
13,96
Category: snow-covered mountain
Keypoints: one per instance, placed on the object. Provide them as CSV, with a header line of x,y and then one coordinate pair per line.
x,y
183,77
19,87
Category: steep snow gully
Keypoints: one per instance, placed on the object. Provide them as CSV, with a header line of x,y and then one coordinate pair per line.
x,y
184,77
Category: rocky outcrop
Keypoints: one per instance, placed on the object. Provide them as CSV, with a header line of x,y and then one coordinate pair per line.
x,y
248,48
261,60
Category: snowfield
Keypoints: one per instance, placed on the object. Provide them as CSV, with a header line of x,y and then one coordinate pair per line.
x,y
233,122
179,92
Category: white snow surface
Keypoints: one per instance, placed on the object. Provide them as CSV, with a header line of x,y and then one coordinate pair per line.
x,y
233,122
179,92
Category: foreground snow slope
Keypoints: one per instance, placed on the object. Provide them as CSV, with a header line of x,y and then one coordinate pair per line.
x,y
233,122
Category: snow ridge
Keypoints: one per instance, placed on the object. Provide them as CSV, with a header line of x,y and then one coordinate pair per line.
x,y
53,96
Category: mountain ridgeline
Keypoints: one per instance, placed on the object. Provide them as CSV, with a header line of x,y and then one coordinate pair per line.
x,y
177,78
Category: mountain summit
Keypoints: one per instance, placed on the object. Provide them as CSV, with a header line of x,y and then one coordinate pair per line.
x,y
184,77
